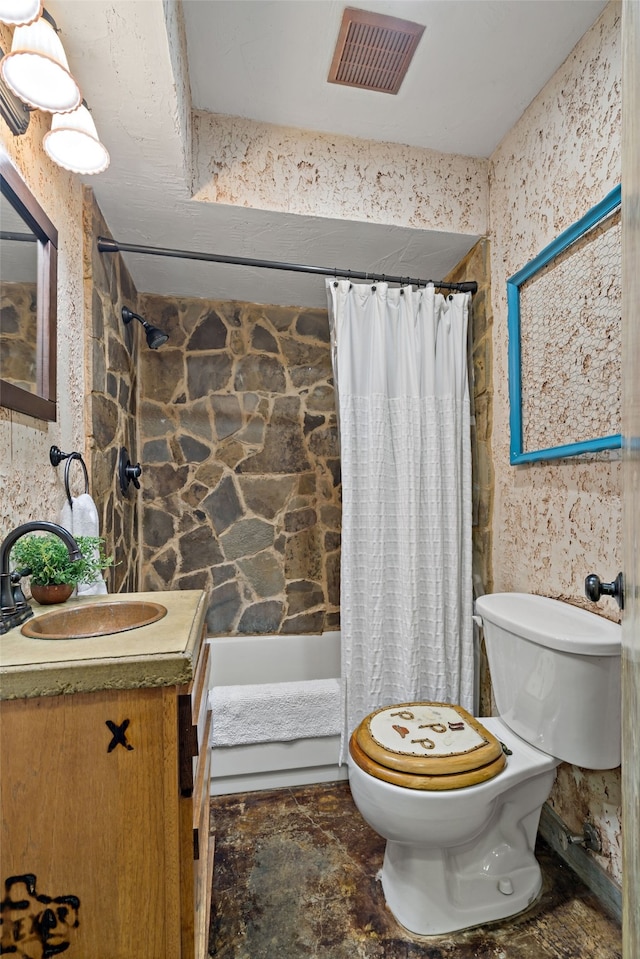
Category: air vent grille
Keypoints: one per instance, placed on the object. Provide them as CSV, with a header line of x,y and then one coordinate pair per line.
x,y
373,51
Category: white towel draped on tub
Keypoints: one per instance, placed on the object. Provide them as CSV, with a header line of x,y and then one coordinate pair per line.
x,y
275,712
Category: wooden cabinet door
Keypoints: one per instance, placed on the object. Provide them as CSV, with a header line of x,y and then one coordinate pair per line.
x,y
89,841
197,850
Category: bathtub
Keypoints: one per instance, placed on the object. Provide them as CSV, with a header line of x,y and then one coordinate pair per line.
x,y
243,660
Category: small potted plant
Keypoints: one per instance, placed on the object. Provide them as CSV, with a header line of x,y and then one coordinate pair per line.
x,y
53,575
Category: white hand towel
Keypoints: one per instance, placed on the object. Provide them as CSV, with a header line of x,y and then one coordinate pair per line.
x,y
81,518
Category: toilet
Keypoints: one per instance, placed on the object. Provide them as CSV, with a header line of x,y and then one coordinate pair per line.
x,y
458,799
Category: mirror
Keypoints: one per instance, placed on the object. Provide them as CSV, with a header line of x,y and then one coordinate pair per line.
x,y
565,342
28,295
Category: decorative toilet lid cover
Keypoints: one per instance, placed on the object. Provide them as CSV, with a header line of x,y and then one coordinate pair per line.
x,y
427,739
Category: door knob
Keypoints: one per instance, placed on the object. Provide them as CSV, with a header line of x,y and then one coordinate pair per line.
x,y
594,589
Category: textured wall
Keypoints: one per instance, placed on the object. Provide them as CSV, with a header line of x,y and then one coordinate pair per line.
x,y
554,523
245,163
31,488
241,483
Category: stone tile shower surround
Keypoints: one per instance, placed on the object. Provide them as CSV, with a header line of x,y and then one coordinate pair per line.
x,y
111,415
235,426
476,266
239,444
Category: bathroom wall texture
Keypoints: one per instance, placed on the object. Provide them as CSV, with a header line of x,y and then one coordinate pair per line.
x,y
31,487
269,167
241,483
553,523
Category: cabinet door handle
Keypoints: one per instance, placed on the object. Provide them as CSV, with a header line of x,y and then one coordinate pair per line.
x,y
196,844
187,745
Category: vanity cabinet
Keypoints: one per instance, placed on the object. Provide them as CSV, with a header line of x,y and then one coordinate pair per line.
x,y
104,841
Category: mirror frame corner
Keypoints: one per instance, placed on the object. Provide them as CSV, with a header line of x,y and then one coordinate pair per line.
x,y
41,403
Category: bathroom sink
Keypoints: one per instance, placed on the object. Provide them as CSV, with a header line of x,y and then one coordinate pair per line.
x,y
97,619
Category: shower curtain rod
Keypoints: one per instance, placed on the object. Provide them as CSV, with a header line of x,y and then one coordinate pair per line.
x,y
106,245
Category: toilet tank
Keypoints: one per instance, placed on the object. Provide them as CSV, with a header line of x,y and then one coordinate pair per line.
x,y
555,672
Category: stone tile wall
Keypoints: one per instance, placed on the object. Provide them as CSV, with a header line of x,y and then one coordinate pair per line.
x,y
18,334
111,414
476,266
241,481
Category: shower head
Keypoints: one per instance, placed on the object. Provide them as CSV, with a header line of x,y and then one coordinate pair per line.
x,y
155,336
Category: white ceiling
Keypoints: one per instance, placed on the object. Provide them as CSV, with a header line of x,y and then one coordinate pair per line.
x,y
478,65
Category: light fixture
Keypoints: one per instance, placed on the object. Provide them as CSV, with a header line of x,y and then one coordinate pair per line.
x,y
12,110
37,70
73,142
17,12
155,337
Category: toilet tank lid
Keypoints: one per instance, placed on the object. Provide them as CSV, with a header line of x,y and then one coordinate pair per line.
x,y
552,623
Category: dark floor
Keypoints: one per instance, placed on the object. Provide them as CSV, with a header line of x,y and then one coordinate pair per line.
x,y
295,879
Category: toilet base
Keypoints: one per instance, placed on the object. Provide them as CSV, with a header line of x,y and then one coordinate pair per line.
x,y
426,903
461,857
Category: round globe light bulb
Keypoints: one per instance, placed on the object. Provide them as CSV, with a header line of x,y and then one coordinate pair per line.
x,y
37,70
73,142
18,12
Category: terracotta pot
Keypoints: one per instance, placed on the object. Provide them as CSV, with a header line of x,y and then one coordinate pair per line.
x,y
54,593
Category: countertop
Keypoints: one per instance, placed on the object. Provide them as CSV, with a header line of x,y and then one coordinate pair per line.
x,y
161,654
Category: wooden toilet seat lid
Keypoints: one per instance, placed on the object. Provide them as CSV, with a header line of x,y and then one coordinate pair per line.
x,y
426,746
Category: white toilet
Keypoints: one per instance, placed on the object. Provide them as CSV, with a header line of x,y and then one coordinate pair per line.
x,y
459,812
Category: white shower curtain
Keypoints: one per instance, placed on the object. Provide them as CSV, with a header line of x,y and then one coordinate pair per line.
x,y
400,363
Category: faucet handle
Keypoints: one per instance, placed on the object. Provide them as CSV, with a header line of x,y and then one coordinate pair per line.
x,y
18,596
595,589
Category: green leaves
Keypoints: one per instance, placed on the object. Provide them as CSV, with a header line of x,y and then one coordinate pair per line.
x,y
48,559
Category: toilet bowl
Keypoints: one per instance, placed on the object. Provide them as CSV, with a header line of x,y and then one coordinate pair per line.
x,y
457,799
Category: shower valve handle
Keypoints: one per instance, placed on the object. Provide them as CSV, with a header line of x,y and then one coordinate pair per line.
x,y
127,472
133,472
594,589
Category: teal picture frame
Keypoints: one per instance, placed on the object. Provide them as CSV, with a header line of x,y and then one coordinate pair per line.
x,y
516,453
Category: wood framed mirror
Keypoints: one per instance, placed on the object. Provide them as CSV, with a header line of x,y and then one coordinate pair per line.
x,y
28,299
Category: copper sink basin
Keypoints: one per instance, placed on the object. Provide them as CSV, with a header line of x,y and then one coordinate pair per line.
x,y
96,619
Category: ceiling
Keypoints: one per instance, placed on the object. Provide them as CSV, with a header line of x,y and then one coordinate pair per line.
x,y
477,66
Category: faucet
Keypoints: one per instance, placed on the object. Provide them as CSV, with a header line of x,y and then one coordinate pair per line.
x,y
14,610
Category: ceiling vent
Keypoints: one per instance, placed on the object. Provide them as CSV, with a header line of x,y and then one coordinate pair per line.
x,y
373,51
